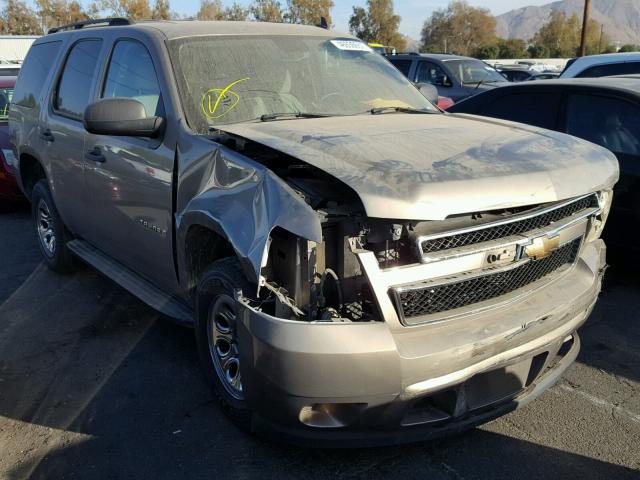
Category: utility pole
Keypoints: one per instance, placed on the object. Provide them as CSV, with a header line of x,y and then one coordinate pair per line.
x,y
600,41
585,22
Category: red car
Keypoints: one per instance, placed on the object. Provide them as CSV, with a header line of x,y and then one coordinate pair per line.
x,y
8,187
444,102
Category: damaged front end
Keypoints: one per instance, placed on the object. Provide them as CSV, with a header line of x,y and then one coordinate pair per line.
x,y
371,325
318,277
314,254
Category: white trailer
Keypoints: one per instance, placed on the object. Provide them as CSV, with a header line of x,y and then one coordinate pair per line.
x,y
13,48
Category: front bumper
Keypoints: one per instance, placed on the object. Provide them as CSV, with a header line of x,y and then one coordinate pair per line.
x,y
372,383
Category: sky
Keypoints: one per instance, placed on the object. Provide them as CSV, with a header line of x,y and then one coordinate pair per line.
x,y
412,12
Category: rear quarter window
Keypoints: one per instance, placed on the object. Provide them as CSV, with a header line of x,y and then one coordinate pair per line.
x,y
403,65
34,72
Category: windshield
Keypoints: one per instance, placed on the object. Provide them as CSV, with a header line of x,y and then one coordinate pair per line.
x,y
474,71
6,94
230,79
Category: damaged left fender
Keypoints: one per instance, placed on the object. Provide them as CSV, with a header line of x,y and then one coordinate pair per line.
x,y
237,198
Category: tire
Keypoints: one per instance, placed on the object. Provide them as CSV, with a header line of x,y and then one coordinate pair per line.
x,y
50,230
216,336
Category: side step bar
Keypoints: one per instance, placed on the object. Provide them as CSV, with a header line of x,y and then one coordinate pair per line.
x,y
134,283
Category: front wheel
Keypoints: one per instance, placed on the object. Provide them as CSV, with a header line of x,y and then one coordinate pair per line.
x,y
217,336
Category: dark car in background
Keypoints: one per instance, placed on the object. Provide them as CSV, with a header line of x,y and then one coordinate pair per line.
x,y
454,76
9,191
524,74
605,111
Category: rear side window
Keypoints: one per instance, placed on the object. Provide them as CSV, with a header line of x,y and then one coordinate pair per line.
x,y
131,74
532,108
403,65
77,77
611,69
34,72
610,122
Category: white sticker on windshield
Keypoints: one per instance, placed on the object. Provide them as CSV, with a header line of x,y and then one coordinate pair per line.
x,y
352,45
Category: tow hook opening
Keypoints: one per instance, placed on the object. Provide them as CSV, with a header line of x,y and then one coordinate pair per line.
x,y
330,415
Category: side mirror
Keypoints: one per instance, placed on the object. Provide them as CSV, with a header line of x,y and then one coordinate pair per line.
x,y
429,91
122,117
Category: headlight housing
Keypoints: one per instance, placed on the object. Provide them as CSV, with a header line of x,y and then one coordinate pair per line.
x,y
605,197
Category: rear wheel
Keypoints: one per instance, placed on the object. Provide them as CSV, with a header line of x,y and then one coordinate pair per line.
x,y
217,335
51,232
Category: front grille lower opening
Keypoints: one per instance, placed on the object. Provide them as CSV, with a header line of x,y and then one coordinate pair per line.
x,y
433,299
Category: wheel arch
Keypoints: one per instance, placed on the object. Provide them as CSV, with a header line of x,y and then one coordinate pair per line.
x,y
30,170
203,244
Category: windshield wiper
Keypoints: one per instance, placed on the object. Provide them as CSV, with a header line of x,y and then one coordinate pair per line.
x,y
379,110
482,81
290,115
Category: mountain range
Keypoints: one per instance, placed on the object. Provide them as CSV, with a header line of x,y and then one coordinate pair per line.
x,y
620,18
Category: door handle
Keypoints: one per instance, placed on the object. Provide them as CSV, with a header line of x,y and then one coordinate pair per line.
x,y
95,155
47,136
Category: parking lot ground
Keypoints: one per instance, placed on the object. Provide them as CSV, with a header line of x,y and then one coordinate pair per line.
x,y
94,384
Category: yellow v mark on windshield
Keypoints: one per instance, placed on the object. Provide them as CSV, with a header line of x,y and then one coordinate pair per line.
x,y
217,102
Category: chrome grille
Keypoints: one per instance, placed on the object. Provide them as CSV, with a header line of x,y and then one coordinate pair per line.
x,y
422,299
516,227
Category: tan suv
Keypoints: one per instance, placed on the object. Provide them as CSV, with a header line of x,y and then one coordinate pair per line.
x,y
357,266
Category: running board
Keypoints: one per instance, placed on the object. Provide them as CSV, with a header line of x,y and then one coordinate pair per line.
x,y
132,282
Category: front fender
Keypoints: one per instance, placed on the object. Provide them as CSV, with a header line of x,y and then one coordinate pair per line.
x,y
242,201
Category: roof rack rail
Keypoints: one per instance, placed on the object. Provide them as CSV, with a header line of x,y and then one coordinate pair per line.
x,y
111,22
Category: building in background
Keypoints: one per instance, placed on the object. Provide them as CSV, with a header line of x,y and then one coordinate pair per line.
x,y
13,48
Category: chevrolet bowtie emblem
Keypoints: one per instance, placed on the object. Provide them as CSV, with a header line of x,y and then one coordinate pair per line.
x,y
542,247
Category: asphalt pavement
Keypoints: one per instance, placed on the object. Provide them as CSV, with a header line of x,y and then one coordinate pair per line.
x,y
94,384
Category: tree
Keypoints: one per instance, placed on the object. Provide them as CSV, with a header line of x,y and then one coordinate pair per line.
x,y
489,51
538,51
512,48
161,10
378,23
561,36
629,47
459,28
501,48
19,19
210,10
359,24
60,12
133,9
235,13
309,12
266,11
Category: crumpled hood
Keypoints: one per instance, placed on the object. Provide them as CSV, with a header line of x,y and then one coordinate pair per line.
x,y
427,167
